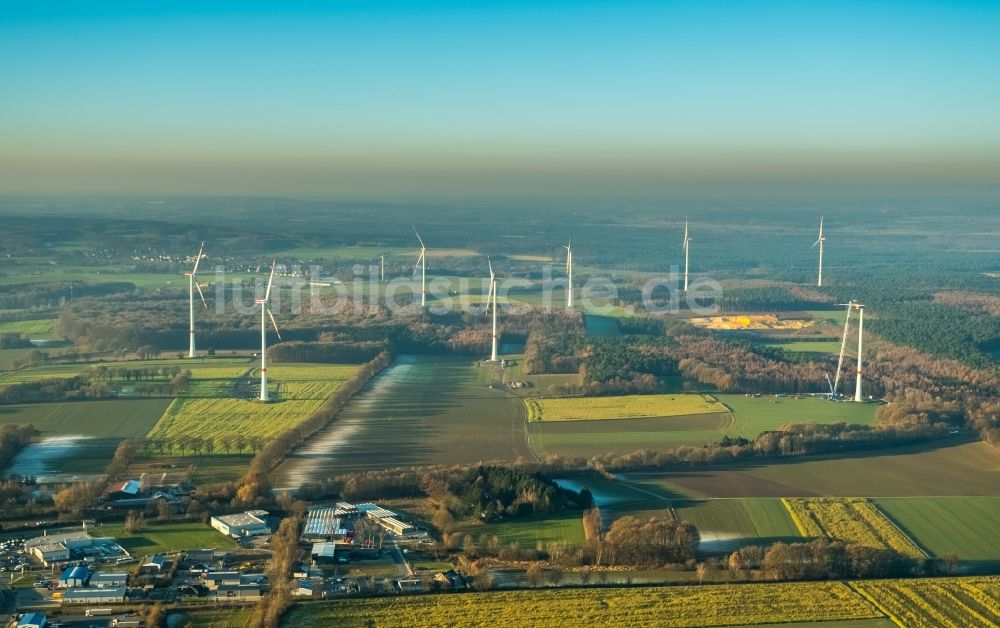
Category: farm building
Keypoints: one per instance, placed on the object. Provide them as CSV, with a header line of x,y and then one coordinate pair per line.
x,y
154,563
107,595
250,523
238,592
129,489
385,518
346,510
32,620
325,552
450,579
108,579
308,587
215,579
74,576
324,524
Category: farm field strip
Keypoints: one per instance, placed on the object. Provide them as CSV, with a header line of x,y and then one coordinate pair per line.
x,y
964,526
852,520
710,605
937,601
621,407
730,523
32,327
222,369
300,390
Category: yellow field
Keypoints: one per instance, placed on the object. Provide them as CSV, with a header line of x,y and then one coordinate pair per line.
x,y
296,392
623,407
849,519
709,605
750,321
937,601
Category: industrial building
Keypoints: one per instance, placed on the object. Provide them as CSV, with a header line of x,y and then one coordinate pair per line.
x,y
32,620
326,524
54,548
107,595
250,523
238,592
325,552
74,576
101,580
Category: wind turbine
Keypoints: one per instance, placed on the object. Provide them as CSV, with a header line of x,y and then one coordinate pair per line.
x,y
493,305
422,261
264,309
861,334
192,284
569,274
687,250
843,346
820,240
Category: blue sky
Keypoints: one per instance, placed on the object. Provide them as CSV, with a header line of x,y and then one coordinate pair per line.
x,y
422,99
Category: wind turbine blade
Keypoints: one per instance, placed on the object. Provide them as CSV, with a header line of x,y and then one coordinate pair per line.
x,y
198,261
814,244
422,247
490,262
201,294
273,322
270,280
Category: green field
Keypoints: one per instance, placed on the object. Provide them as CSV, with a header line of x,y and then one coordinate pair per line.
x,y
166,538
622,407
422,410
749,417
592,438
118,419
967,527
220,370
727,524
34,328
754,415
297,391
528,531
710,605
7,357
958,470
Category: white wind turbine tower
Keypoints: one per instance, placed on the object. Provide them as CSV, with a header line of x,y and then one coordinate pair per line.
x,y
192,284
687,250
843,346
422,261
491,302
264,309
820,240
569,274
861,333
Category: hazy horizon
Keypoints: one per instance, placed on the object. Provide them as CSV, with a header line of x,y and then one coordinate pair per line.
x,y
421,100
